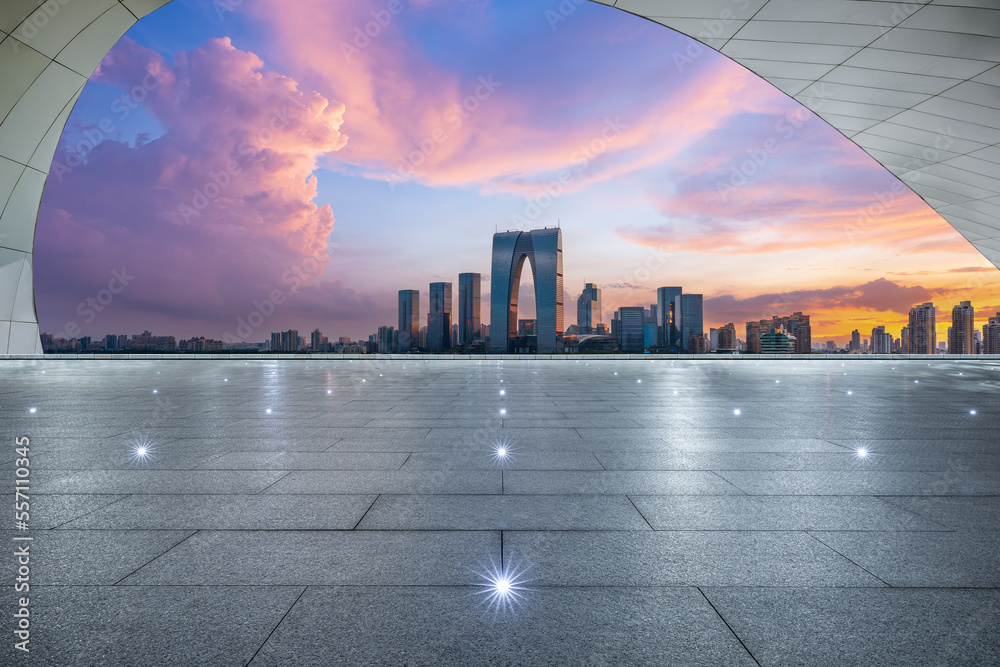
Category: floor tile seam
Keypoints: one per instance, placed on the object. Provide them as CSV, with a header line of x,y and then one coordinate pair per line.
x,y
172,547
731,483
366,511
277,625
849,560
261,491
96,509
883,500
729,627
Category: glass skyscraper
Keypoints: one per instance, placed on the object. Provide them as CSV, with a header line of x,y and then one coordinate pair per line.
x,y
631,328
690,313
667,328
439,318
409,319
469,306
543,250
588,309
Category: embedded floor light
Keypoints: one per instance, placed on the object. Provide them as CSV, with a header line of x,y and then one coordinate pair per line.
x,y
32,410
972,412
503,391
503,411
736,412
861,453
268,411
502,588
142,450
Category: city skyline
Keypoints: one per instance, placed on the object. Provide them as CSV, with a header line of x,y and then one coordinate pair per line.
x,y
712,177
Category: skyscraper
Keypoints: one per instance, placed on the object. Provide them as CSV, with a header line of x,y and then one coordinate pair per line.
x,y
881,341
631,328
588,309
667,323
727,338
409,320
543,250
689,311
469,306
963,324
855,345
923,329
991,335
439,318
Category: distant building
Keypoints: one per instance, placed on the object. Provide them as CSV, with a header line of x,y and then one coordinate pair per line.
x,y
285,341
713,340
922,329
881,341
470,299
776,341
439,318
668,321
542,249
831,346
588,309
796,326
689,308
727,339
991,335
697,344
409,320
855,345
527,328
318,342
386,340
963,325
631,328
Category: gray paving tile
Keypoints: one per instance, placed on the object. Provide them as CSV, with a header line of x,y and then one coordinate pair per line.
x,y
980,513
568,626
777,513
503,513
828,482
518,459
388,481
124,626
683,558
166,481
683,460
937,559
48,511
382,558
616,482
92,557
859,627
230,512
304,461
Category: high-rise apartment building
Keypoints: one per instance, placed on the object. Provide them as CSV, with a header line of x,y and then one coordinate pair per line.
x,y
963,324
727,338
668,320
469,307
386,340
588,309
923,329
991,335
285,341
881,341
631,328
855,344
318,342
439,318
409,320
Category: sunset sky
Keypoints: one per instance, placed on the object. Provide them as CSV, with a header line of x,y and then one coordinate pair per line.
x,y
219,156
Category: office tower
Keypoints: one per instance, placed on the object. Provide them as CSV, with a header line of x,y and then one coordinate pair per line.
x,y
713,340
963,324
588,309
797,325
527,328
542,248
977,342
855,345
615,324
667,323
409,320
631,328
754,331
727,338
470,300
386,340
991,335
689,312
697,344
923,329
439,318
881,341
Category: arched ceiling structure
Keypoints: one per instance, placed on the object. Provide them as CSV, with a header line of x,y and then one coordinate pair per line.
x,y
914,84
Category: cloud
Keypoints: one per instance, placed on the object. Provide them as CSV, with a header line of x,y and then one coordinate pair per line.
x,y
213,214
880,295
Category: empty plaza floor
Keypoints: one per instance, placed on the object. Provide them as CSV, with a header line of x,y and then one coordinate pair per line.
x,y
339,512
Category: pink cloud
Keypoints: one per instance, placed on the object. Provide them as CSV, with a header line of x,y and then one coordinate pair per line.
x,y
217,208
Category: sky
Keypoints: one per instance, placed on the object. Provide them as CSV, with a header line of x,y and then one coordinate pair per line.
x,y
308,160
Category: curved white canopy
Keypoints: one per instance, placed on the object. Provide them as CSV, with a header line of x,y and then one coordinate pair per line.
x,y
915,84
